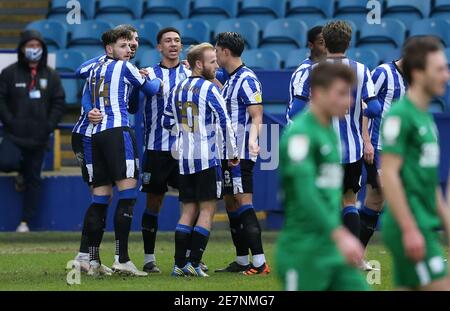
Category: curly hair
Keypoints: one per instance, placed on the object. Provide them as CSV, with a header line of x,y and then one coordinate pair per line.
x,y
337,36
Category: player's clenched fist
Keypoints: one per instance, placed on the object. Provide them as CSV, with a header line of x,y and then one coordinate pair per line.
x,y
95,116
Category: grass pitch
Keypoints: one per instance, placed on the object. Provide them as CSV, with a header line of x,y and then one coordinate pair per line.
x,y
37,261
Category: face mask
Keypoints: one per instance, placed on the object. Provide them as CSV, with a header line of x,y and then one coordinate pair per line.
x,y
33,54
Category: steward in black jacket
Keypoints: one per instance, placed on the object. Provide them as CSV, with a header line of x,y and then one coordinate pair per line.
x,y
31,105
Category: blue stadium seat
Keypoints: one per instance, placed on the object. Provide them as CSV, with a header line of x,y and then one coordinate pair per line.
x,y
166,11
262,59
392,55
432,26
147,30
437,105
284,35
262,11
440,9
295,57
86,37
309,11
366,56
213,11
447,53
352,25
147,57
352,10
119,11
247,28
389,35
193,31
90,52
54,33
407,11
69,60
58,9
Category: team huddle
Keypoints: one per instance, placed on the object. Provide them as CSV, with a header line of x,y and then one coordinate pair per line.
x,y
201,137
202,120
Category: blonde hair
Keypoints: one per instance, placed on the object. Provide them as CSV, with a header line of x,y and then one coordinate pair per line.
x,y
196,53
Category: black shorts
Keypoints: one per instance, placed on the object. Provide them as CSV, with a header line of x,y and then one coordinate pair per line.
x,y
82,148
352,176
114,156
160,169
238,179
202,186
373,171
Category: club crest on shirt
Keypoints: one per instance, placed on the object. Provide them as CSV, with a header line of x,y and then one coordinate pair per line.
x,y
391,129
298,147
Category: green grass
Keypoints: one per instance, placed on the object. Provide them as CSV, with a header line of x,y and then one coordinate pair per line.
x,y
37,261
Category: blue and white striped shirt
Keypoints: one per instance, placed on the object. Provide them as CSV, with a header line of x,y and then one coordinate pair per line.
x,y
198,110
156,137
299,84
241,90
349,128
83,126
390,86
110,83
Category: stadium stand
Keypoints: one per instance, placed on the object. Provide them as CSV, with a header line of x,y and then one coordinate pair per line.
x,y
58,9
309,11
119,11
68,61
147,32
249,29
166,11
262,59
432,26
295,57
53,31
146,57
87,37
407,11
212,12
284,35
194,31
262,11
440,9
352,10
367,56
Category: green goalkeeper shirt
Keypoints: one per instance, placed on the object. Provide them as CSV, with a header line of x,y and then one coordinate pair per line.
x,y
311,176
411,134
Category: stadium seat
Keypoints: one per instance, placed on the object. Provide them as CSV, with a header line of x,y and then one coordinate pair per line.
x,y
54,33
166,12
262,59
392,55
119,11
247,28
366,56
262,11
212,11
447,53
148,30
284,35
295,57
440,9
58,9
193,31
147,57
407,11
86,37
69,60
352,25
352,10
389,35
432,26
437,105
309,11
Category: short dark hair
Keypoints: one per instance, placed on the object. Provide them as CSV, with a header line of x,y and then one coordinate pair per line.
x,y
415,51
232,41
127,27
325,73
313,33
112,35
337,36
166,30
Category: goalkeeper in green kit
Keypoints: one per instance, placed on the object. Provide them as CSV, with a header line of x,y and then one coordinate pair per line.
x,y
314,251
409,164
